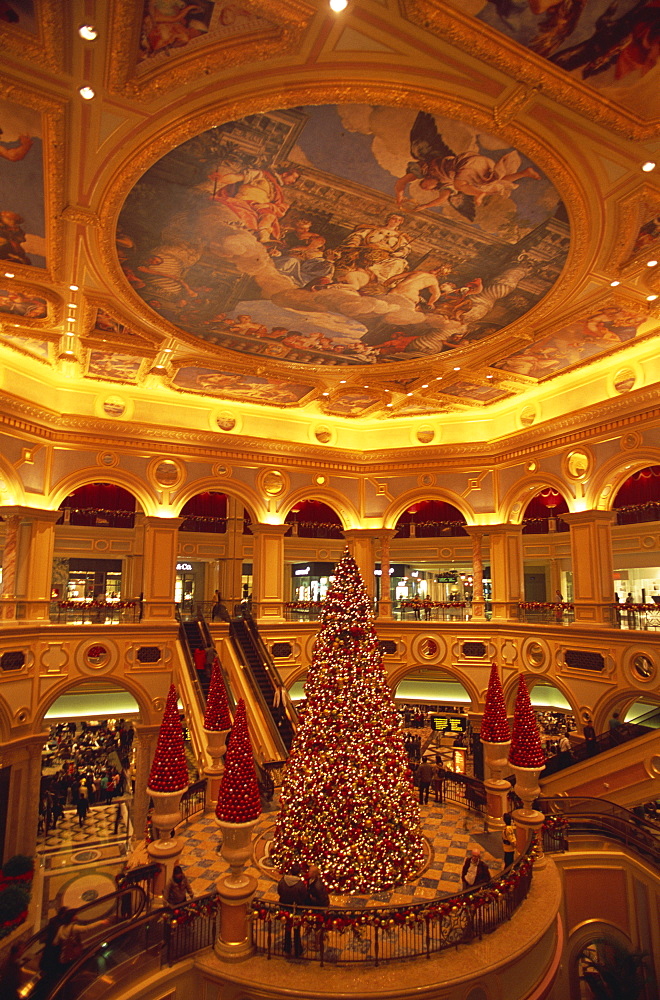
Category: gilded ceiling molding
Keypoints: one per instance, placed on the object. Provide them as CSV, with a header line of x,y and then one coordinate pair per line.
x,y
46,49
467,33
136,340
81,216
633,212
291,19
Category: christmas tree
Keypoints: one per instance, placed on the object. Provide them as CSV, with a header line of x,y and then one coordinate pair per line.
x,y
216,716
238,799
526,749
169,771
495,725
347,803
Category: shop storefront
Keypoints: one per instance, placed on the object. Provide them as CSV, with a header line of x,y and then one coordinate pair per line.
x,y
189,583
310,580
85,579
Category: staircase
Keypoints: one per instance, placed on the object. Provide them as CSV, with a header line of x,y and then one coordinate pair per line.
x,y
252,652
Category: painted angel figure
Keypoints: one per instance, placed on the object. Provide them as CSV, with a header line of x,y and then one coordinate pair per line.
x,y
464,180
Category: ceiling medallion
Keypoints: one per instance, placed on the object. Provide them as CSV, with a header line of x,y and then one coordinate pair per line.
x,y
341,235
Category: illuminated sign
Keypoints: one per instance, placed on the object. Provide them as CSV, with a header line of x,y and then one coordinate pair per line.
x,y
449,723
184,567
302,572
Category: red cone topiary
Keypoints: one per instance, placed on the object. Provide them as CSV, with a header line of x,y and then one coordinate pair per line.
x,y
495,725
238,799
216,716
169,771
526,749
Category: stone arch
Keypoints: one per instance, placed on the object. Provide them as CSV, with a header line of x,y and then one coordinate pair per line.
x,y
147,499
255,508
401,504
11,487
510,690
614,473
346,512
591,930
522,493
619,700
148,714
476,699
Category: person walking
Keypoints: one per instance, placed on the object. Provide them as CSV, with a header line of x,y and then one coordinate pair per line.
x,y
83,803
590,739
424,777
508,839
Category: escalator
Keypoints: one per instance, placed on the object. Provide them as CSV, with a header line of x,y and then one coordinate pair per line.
x,y
617,767
195,639
252,652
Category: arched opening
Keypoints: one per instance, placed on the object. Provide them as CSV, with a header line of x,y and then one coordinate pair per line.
x,y
543,513
310,568
431,519
205,512
99,510
636,569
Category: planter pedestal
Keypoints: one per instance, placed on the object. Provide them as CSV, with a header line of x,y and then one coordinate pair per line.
x,y
216,745
165,817
527,819
234,941
497,788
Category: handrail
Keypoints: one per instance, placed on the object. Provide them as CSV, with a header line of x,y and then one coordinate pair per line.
x,y
262,649
605,741
257,693
606,817
393,932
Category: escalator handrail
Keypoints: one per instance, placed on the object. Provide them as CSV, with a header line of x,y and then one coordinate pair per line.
x,y
187,655
619,823
256,690
623,734
262,650
208,638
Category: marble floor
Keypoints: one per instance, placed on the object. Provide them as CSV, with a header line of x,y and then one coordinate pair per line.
x,y
449,829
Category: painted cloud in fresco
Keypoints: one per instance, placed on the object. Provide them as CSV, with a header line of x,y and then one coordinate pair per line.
x,y
580,341
342,235
22,221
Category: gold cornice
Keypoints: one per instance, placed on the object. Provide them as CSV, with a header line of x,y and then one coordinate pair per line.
x,y
86,433
291,18
469,35
632,211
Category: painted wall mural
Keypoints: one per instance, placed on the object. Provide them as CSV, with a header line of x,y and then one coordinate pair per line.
x,y
585,338
196,378
343,235
19,13
605,43
33,346
21,304
22,220
648,236
124,367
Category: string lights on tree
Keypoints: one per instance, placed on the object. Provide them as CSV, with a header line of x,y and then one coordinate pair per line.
x,y
347,803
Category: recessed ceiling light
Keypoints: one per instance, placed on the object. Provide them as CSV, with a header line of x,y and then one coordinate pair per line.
x,y
73,288
72,305
9,274
341,381
338,5
409,394
651,298
159,367
325,393
389,404
71,319
366,386
68,352
425,386
87,93
613,284
88,32
167,350
648,166
489,376
457,369
651,263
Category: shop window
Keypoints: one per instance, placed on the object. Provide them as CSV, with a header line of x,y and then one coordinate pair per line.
x,y
12,660
581,659
148,654
474,650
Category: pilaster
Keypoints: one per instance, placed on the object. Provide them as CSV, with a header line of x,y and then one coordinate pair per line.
x,y
506,570
268,571
593,566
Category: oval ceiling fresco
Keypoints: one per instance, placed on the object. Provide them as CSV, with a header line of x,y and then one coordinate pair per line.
x,y
342,235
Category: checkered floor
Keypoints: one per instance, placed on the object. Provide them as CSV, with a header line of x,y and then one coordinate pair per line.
x,y
450,830
98,828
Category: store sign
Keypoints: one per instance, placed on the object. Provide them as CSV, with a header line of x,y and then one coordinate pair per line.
x,y
301,572
184,567
450,577
449,723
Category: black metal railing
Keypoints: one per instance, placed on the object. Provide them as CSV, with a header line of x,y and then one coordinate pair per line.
x,y
391,932
606,741
193,800
583,814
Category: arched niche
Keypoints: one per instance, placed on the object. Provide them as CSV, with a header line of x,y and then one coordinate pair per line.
x,y
205,512
543,512
431,519
543,694
99,505
313,519
95,698
637,500
433,686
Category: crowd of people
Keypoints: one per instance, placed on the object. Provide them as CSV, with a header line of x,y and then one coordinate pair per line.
x,y
83,767
301,886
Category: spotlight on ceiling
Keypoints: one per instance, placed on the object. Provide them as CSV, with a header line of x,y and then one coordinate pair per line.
x,y
648,166
651,263
73,288
87,93
338,5
9,274
651,298
613,284
88,32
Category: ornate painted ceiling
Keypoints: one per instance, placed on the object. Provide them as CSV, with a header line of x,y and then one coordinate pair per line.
x,y
410,209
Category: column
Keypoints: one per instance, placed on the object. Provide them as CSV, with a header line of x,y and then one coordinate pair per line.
x,y
24,757
9,552
146,738
506,570
475,719
161,545
385,603
268,571
360,543
34,567
132,566
232,566
476,533
593,568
